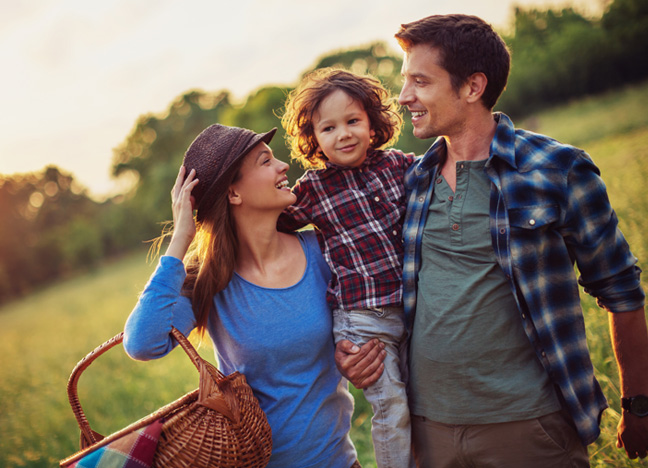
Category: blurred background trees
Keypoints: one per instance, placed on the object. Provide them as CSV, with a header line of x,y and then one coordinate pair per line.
x,y
50,228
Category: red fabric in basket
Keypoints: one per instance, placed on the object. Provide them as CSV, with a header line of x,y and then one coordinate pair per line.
x,y
134,450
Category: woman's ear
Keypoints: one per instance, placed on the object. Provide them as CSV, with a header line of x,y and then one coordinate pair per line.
x,y
233,196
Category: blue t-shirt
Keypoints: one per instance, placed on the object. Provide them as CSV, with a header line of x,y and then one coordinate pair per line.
x,y
281,339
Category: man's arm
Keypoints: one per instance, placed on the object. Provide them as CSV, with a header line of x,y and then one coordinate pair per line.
x,y
360,366
630,342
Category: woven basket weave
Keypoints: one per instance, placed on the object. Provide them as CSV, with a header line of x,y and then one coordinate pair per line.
x,y
220,424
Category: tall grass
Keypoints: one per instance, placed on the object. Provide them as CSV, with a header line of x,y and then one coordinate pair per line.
x,y
42,337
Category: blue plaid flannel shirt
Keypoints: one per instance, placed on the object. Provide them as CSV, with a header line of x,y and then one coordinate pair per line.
x,y
548,209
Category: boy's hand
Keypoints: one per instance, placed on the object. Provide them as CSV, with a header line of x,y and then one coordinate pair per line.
x,y
362,366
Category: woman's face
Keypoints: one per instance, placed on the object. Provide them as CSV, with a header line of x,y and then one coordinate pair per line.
x,y
261,182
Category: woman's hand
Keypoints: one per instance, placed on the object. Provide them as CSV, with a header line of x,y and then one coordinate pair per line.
x,y
184,226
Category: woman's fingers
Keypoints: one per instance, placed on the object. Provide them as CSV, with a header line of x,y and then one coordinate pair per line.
x,y
175,191
183,185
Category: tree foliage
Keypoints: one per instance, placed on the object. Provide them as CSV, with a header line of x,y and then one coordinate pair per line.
x,y
560,55
50,228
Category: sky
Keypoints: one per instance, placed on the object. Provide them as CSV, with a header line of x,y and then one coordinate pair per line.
x,y
76,74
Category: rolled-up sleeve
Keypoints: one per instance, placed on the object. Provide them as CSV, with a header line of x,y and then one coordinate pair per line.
x,y
607,267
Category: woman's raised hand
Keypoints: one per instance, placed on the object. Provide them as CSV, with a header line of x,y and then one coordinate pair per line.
x,y
184,226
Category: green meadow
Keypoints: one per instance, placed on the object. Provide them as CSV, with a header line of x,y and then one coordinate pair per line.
x,y
42,337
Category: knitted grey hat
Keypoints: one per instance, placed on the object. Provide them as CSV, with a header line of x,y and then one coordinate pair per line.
x,y
212,154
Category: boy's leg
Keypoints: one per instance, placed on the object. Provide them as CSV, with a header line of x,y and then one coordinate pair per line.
x,y
390,425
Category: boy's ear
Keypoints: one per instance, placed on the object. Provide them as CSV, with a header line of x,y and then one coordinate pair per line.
x,y
233,197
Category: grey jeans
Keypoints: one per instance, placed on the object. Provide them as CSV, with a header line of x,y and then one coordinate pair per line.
x,y
390,425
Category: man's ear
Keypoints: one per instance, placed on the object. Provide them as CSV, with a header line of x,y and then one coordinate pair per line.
x,y
233,196
475,87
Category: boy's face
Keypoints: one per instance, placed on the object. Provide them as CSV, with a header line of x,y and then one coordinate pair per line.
x,y
342,129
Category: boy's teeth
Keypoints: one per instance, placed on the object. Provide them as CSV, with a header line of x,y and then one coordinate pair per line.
x,y
418,114
282,184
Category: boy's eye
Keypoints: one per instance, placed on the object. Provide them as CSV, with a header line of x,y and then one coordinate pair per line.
x,y
352,121
327,129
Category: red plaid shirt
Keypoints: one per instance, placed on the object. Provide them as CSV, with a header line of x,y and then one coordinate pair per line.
x,y
359,212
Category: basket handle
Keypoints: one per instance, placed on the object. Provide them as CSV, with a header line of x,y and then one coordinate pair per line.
x,y
88,436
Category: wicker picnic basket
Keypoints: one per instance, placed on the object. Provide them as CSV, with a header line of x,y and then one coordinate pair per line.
x,y
220,424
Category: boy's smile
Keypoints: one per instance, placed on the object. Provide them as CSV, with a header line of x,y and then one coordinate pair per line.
x,y
342,129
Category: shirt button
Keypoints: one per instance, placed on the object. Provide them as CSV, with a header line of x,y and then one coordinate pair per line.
x,y
455,227
450,198
439,180
523,316
502,231
532,222
395,232
544,354
421,199
459,197
377,198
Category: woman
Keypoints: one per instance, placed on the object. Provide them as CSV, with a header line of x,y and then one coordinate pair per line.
x,y
258,293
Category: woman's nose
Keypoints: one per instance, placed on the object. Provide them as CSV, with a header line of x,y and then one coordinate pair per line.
x,y
283,166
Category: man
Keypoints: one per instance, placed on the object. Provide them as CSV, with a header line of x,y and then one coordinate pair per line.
x,y
497,216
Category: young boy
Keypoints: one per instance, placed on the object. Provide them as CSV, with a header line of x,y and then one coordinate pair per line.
x,y
336,123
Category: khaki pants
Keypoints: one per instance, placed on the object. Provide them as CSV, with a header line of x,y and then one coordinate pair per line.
x,y
547,441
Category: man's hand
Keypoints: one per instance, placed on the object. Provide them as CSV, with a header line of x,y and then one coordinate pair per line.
x,y
362,366
632,435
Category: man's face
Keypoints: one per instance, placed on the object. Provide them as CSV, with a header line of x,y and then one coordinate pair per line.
x,y
427,92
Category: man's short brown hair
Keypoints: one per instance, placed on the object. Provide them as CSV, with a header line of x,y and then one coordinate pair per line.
x,y
467,45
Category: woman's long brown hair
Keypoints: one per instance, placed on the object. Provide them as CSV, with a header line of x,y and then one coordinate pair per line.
x,y
211,259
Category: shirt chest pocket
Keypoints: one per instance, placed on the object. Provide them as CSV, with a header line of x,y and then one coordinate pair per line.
x,y
533,235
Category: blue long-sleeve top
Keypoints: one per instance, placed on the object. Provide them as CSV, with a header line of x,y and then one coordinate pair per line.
x,y
280,339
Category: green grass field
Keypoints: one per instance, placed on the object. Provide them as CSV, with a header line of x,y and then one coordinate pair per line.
x,y
43,336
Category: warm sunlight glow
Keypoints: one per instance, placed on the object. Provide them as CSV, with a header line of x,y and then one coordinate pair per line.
x,y
82,73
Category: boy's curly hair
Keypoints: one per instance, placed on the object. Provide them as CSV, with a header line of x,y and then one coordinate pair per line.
x,y
302,103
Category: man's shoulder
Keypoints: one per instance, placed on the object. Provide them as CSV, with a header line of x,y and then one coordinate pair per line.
x,y
527,150
536,151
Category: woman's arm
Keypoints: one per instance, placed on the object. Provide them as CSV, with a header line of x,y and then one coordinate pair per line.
x,y
161,305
